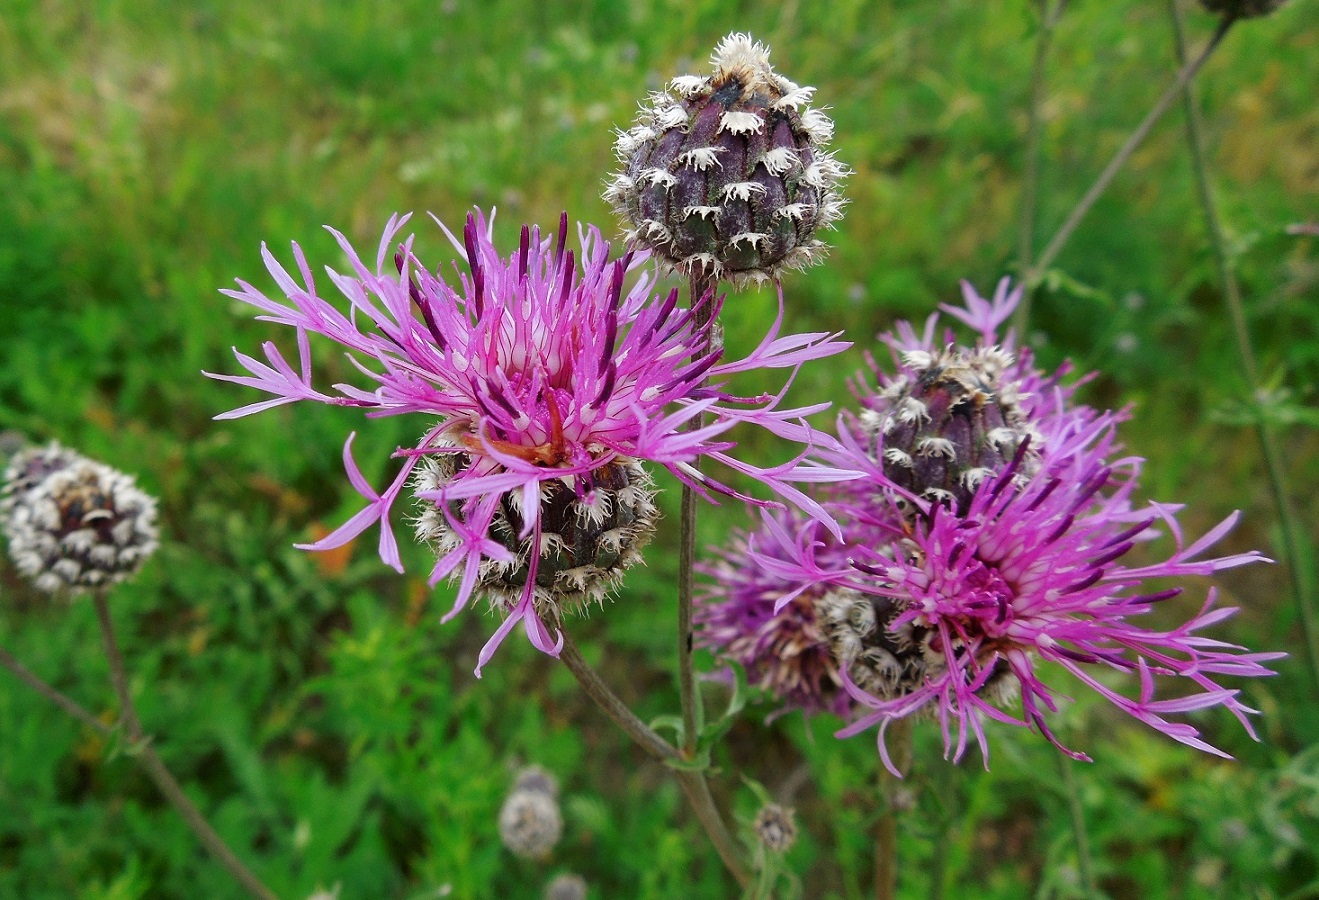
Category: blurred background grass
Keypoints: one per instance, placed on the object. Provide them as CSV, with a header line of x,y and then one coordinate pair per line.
x,y
315,706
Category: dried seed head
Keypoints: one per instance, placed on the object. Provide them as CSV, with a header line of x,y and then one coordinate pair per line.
x,y
591,533
954,420
530,824
775,828
566,886
1242,9
538,780
887,660
74,524
729,173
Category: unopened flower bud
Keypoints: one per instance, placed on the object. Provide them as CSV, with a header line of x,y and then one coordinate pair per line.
x,y
1242,9
538,780
592,530
74,524
951,421
566,887
530,824
775,828
728,173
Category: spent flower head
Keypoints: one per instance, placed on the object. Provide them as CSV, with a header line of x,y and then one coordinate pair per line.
x,y
945,602
775,827
74,524
549,377
530,823
728,173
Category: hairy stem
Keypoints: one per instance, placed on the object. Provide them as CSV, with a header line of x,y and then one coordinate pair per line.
x,y
1083,865
886,829
1060,238
692,783
1049,15
1291,532
155,767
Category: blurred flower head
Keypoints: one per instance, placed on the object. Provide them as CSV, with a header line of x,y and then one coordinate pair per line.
x,y
566,886
775,828
947,606
549,381
530,823
74,524
728,173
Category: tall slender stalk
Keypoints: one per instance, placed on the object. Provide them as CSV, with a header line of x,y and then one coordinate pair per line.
x,y
1083,863
1227,275
1033,274
693,783
702,283
1049,15
155,767
886,829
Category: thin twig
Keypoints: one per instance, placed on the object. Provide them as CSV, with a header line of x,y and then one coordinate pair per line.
x,y
693,783
1033,275
886,829
614,708
146,755
1083,865
1049,15
1291,532
64,702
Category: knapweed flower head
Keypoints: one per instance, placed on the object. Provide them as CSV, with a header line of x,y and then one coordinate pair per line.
x,y
530,823
548,381
775,828
74,524
765,620
728,173
566,886
952,612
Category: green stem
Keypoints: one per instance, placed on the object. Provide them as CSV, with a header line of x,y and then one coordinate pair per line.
x,y
886,829
1083,864
1292,536
693,783
1049,15
155,767
1032,276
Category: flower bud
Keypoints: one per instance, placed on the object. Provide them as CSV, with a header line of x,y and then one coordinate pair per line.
x,y
775,828
951,420
566,887
591,533
74,524
538,780
530,824
728,173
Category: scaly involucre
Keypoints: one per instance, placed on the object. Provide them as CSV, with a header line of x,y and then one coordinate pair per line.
x,y
550,379
954,581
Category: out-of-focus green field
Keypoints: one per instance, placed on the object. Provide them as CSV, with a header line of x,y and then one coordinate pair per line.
x,y
314,705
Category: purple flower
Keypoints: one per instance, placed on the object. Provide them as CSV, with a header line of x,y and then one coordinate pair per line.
x,y
955,582
549,380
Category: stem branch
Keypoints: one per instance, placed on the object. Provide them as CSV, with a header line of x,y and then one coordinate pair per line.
x,y
150,761
692,783
1032,276
1083,866
1241,333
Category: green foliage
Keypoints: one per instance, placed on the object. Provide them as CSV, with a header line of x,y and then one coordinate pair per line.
x,y
315,707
